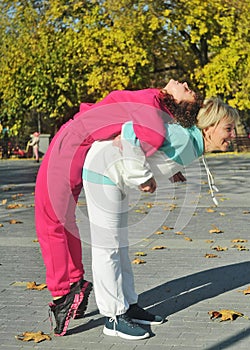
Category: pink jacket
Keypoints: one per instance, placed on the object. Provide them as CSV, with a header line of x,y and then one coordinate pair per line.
x,y
60,173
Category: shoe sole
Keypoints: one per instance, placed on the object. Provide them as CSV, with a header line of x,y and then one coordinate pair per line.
x,y
115,333
145,322
85,291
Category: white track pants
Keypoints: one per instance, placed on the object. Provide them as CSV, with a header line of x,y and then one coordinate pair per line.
x,y
112,272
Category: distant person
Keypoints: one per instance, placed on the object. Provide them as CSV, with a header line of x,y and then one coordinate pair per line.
x,y
34,142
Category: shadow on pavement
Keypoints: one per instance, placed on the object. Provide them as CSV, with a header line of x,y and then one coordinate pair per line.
x,y
230,341
181,293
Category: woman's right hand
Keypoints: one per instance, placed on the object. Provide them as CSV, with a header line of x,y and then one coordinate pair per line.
x,y
148,186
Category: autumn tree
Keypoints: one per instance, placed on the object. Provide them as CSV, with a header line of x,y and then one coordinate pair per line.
x,y
215,35
58,53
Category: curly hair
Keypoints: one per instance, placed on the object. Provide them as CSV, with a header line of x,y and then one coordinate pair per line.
x,y
184,113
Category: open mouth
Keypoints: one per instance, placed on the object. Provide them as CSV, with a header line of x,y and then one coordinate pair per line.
x,y
227,143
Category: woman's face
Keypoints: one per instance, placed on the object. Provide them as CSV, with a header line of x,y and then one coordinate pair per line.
x,y
218,137
179,91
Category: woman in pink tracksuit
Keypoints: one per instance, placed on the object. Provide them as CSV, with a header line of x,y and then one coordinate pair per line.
x,y
59,181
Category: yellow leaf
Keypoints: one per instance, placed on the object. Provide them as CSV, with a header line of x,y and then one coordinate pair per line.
x,y
158,247
159,232
179,233
166,228
239,240
172,207
215,230
246,291
140,254
15,196
210,210
188,239
220,249
210,256
138,261
141,211
225,314
34,286
13,221
36,336
14,206
240,247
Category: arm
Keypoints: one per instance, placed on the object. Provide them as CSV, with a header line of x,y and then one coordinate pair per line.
x,y
137,171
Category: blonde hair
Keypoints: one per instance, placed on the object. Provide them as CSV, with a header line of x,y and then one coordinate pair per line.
x,y
213,111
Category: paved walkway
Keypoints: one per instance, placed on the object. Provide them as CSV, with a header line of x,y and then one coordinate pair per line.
x,y
177,282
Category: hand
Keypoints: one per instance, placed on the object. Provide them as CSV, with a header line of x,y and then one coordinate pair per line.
x,y
178,177
148,186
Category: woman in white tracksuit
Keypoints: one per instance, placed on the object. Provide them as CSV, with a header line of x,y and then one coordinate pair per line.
x,y
113,166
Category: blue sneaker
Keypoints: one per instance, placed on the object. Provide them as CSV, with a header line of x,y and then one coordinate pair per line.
x,y
141,316
124,327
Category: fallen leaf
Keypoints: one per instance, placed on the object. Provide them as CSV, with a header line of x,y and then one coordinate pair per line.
x,y
36,336
159,232
141,211
239,247
15,196
222,214
210,256
209,241
1,225
166,228
246,212
13,221
33,285
210,210
215,230
14,206
246,291
4,201
188,239
225,315
172,207
158,247
239,240
140,254
35,240
220,249
179,233
138,261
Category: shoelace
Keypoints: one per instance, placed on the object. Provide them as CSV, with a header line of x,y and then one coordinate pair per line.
x,y
210,182
114,319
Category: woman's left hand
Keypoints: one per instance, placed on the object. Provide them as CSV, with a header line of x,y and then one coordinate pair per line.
x,y
178,177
